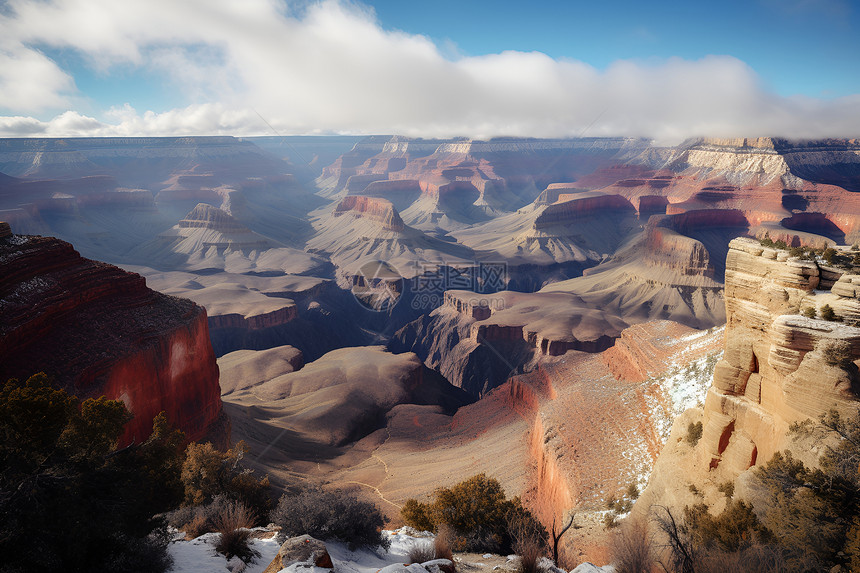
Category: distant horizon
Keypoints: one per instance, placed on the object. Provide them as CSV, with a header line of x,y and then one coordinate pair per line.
x,y
549,69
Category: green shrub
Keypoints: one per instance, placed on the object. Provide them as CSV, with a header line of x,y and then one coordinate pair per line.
x,y
330,514
813,512
810,312
620,506
51,445
694,433
736,528
479,515
417,515
827,313
828,255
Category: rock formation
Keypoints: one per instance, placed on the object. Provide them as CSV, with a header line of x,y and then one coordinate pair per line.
x,y
778,366
379,210
462,182
345,395
243,369
98,330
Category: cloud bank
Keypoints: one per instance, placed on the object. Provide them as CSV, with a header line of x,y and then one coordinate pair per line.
x,y
247,67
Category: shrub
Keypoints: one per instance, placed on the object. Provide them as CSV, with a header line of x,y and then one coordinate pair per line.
x,y
759,558
812,512
528,535
766,241
477,512
827,313
444,542
828,255
810,312
620,506
196,520
417,515
530,552
52,444
694,433
233,523
334,514
837,353
208,473
727,489
737,527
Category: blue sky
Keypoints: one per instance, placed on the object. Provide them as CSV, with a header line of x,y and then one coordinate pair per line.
x,y
796,46
443,68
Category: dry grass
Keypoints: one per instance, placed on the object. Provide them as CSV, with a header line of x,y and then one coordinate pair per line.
x,y
631,548
530,552
421,551
233,523
443,543
196,527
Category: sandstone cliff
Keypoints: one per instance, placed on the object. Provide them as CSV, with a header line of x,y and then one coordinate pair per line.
x,y
98,330
775,369
779,367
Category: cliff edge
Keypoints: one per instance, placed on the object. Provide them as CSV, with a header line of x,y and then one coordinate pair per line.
x,y
99,331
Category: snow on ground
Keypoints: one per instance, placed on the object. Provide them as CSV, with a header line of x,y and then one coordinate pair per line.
x,y
199,555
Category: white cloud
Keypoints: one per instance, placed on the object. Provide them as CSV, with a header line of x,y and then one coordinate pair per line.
x,y
331,67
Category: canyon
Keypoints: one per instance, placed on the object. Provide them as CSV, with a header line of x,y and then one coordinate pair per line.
x,y
397,314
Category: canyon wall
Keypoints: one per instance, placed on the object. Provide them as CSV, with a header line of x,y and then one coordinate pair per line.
x,y
378,210
779,367
98,330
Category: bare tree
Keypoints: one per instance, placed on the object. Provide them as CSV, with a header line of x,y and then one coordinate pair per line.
x,y
682,555
557,535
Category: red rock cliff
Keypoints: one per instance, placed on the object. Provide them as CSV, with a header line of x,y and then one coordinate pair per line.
x,y
379,210
98,330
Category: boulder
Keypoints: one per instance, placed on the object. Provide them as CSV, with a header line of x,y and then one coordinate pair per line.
x,y
302,549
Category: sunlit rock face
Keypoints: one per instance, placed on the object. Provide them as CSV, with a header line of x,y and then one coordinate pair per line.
x,y
99,331
778,366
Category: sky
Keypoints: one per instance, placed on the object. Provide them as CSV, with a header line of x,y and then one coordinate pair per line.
x,y
440,68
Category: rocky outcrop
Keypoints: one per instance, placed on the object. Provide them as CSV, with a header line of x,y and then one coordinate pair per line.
x,y
205,216
378,210
668,248
603,419
305,551
98,330
779,367
570,208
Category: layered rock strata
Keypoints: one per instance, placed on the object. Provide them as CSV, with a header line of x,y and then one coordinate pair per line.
x,y
99,331
779,366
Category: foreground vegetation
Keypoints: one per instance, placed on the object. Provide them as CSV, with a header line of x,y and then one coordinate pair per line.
x,y
806,519
72,500
476,516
